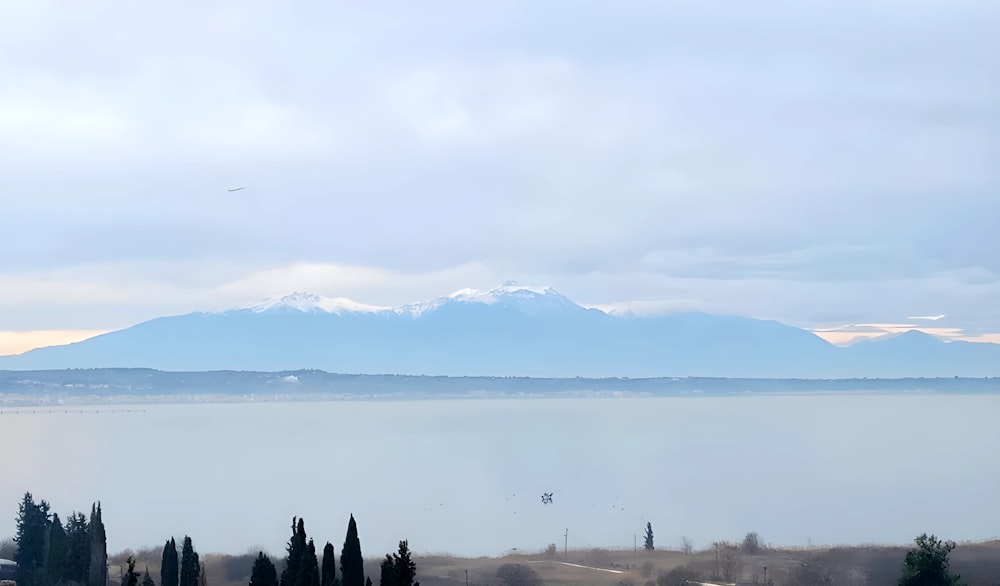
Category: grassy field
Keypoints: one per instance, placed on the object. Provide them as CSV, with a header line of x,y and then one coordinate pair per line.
x,y
978,563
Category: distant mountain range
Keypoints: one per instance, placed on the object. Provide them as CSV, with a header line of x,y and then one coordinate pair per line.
x,y
513,330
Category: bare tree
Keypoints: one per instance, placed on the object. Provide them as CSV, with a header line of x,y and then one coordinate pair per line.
x,y
687,546
727,560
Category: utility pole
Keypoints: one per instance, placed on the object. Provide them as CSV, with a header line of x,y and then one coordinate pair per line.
x,y
467,578
566,543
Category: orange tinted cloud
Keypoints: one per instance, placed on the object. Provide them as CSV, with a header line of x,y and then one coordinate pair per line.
x,y
848,334
14,342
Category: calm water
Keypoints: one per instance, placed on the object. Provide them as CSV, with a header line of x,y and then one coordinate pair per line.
x,y
465,476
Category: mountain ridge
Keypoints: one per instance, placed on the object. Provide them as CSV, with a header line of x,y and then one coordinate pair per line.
x,y
511,330
509,291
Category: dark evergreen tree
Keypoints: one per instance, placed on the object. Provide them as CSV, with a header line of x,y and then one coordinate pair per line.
x,y
32,541
169,564
329,574
130,577
309,571
403,569
649,537
296,549
76,567
98,567
147,580
752,543
190,567
263,572
55,562
927,564
387,573
352,564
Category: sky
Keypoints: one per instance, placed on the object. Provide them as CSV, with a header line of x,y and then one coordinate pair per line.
x,y
831,165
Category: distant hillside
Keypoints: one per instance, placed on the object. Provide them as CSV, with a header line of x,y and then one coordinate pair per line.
x,y
512,330
74,385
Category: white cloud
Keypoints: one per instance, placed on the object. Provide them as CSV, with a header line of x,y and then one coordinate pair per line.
x,y
734,159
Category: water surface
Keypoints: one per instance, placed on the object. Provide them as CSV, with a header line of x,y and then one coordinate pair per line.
x,y
466,476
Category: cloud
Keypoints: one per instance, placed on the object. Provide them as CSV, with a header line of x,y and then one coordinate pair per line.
x,y
805,162
650,307
849,334
18,342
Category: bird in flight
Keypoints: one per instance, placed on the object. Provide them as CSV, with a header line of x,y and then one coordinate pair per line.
x,y
232,189
547,498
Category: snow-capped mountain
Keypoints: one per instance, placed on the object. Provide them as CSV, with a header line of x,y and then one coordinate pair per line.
x,y
526,298
300,301
511,330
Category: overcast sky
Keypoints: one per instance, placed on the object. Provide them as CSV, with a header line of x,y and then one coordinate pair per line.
x,y
819,163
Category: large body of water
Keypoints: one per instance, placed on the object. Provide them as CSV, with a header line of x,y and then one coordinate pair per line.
x,y
466,476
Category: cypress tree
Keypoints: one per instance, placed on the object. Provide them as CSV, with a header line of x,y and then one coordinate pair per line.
x,y
169,565
98,568
76,567
147,580
296,549
649,537
32,541
329,575
190,567
309,572
352,565
55,564
263,572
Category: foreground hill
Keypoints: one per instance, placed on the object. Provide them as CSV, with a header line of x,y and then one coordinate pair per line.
x,y
510,331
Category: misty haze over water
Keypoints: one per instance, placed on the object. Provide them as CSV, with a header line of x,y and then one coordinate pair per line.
x,y
465,476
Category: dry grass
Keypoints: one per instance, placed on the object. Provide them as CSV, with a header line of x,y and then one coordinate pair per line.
x,y
978,563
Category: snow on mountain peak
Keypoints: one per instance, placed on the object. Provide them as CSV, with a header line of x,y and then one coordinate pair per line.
x,y
299,300
510,292
528,298
310,302
513,287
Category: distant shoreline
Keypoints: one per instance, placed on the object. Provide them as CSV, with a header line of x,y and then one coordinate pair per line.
x,y
112,386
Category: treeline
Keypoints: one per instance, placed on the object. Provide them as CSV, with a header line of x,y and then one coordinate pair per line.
x,y
51,554
138,382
